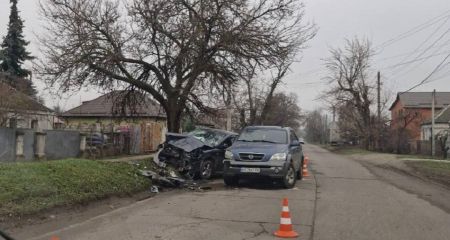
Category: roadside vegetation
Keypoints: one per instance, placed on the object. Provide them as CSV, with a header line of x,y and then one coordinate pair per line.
x,y
346,150
352,150
28,188
435,170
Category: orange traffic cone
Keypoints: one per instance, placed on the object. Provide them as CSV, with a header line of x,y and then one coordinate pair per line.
x,y
285,230
305,172
54,238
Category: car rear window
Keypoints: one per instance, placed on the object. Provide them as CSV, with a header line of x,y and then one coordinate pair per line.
x,y
263,135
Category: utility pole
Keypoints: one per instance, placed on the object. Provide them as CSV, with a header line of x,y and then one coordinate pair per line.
x,y
379,110
332,125
326,128
433,142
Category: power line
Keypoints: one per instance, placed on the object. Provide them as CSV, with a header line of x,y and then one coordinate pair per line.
x,y
423,52
307,73
414,30
426,40
444,75
437,68
419,59
408,53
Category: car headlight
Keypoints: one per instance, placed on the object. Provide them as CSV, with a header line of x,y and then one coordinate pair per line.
x,y
228,155
279,157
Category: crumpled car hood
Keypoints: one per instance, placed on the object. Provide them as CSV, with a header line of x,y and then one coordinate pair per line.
x,y
188,144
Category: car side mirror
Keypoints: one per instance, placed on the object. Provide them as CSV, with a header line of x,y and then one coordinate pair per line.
x,y
301,141
295,143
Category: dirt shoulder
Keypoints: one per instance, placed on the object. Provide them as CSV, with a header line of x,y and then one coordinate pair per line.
x,y
433,170
423,178
57,217
425,168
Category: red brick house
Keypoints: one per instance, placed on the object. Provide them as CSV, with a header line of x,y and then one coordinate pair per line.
x,y
410,110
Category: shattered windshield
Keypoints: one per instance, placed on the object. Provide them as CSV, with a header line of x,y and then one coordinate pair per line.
x,y
263,135
212,138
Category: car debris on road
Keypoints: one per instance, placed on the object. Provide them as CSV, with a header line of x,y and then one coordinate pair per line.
x,y
184,160
165,180
196,155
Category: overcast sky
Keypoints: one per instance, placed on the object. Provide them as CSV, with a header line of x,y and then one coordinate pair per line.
x,y
379,21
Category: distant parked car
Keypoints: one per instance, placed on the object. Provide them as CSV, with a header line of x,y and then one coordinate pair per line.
x,y
274,152
198,154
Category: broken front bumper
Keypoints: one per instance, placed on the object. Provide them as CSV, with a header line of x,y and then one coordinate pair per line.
x,y
179,159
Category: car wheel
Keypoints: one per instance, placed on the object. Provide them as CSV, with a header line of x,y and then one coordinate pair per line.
x,y
290,178
231,180
206,169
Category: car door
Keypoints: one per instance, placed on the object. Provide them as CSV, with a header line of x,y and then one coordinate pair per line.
x,y
295,150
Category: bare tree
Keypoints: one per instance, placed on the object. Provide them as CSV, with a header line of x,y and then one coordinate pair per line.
x,y
253,97
166,48
315,127
348,130
284,111
349,70
400,130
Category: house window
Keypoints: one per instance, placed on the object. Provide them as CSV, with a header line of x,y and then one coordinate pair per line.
x,y
13,123
34,124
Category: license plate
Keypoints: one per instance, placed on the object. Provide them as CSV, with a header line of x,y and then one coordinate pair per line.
x,y
250,170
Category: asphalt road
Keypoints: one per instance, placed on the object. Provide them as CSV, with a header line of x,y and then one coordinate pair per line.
x,y
342,200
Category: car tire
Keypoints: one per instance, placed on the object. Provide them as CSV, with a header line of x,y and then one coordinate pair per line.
x,y
289,178
231,180
206,169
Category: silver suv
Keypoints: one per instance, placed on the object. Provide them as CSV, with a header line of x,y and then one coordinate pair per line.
x,y
267,151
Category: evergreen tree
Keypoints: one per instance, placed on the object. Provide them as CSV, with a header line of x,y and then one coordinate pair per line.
x,y
13,52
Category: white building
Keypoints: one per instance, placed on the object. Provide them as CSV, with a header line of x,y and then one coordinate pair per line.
x,y
18,110
442,123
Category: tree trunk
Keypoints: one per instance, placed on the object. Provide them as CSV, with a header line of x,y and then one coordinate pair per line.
x,y
242,118
174,114
252,120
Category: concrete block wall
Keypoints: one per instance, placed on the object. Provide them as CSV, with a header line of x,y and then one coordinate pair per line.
x,y
7,145
24,145
62,144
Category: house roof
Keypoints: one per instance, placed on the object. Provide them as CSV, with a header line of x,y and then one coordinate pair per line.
x,y
422,99
442,117
12,99
109,105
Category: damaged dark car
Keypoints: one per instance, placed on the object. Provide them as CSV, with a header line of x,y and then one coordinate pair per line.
x,y
198,154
